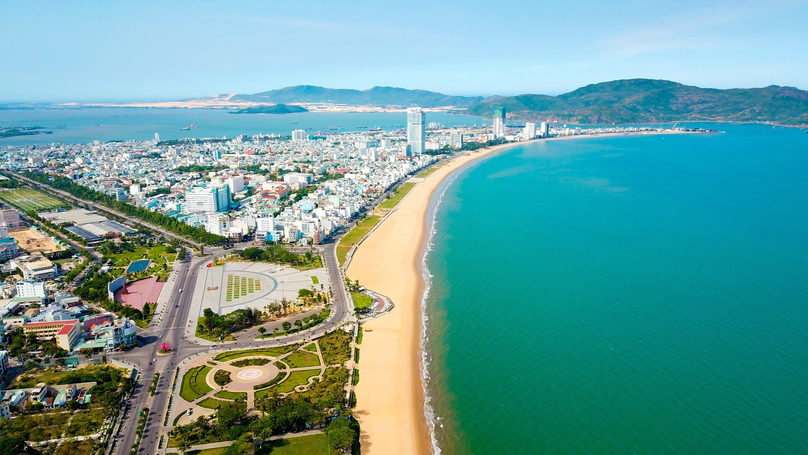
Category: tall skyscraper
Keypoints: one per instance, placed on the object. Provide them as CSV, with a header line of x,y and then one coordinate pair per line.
x,y
416,134
544,131
157,137
499,122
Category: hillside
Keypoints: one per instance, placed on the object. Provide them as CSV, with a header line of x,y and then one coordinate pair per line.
x,y
376,96
655,101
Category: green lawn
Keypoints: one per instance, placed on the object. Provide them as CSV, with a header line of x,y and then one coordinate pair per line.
x,y
361,300
295,379
310,347
302,359
355,235
398,195
304,445
268,352
194,384
315,280
210,403
426,173
230,395
26,199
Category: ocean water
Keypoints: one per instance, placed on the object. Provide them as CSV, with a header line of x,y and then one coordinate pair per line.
x,y
84,125
624,295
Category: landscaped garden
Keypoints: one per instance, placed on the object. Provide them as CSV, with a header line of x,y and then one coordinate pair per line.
x,y
194,384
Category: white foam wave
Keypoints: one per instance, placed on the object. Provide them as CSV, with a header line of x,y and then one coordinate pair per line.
x,y
432,419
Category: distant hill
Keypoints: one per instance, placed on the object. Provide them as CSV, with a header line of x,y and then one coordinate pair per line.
x,y
274,109
376,96
655,101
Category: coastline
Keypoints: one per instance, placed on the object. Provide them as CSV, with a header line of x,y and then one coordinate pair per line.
x,y
391,402
390,396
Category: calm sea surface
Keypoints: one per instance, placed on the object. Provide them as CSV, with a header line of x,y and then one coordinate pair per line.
x,y
625,295
78,126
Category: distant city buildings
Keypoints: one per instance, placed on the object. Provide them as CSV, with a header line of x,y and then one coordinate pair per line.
x,y
499,122
416,133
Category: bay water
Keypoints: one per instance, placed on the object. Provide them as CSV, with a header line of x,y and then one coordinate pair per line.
x,y
624,295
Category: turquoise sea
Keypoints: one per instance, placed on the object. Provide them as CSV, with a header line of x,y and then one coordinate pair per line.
x,y
84,125
640,295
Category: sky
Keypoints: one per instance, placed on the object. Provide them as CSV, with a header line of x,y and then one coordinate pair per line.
x,y
168,50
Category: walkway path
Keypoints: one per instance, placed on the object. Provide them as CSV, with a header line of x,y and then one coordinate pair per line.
x,y
219,445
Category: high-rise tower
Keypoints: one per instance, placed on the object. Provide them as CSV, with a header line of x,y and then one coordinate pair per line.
x,y
499,122
415,130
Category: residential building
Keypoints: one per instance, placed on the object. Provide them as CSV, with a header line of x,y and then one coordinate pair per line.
x,y
31,289
298,135
10,217
530,130
8,248
544,130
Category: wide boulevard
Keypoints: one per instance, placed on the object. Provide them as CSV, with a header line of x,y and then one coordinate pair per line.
x,y
170,329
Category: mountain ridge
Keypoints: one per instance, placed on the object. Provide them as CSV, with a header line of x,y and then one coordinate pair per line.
x,y
654,101
377,96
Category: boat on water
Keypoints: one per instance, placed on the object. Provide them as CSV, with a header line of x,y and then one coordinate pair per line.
x,y
190,127
375,129
337,127
293,123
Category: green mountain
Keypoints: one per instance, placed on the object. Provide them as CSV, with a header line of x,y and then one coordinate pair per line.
x,y
655,101
376,96
273,109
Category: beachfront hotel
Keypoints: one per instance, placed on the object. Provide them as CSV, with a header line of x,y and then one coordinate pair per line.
x,y
416,134
499,122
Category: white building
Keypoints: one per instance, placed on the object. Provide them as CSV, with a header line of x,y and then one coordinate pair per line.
x,y
297,177
208,199
236,183
264,225
416,133
31,289
298,135
217,224
544,131
530,130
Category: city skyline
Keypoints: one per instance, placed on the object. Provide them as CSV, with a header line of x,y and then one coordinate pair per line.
x,y
184,50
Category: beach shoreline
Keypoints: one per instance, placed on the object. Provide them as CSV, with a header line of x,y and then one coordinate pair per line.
x,y
391,406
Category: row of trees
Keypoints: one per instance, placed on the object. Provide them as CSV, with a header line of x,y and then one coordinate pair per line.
x,y
279,254
197,234
217,326
232,423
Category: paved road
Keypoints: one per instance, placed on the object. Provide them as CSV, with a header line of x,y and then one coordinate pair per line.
x,y
104,208
171,329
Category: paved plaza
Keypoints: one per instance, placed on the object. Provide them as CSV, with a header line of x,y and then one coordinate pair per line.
x,y
238,285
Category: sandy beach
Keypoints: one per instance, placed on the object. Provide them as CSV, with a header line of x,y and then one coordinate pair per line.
x,y
390,401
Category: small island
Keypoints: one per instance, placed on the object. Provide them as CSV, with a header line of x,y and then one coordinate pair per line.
x,y
15,131
274,109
